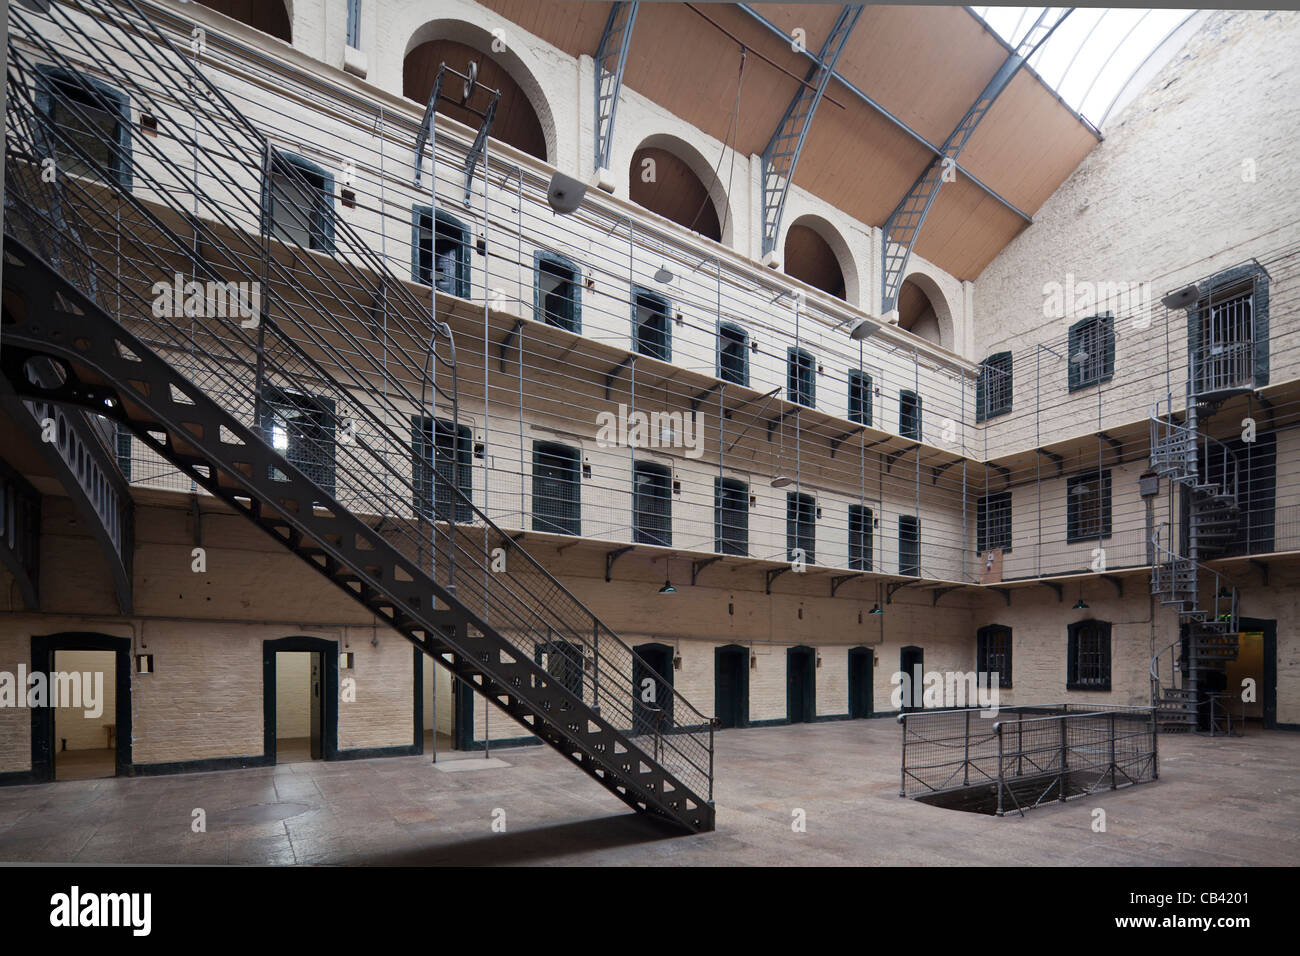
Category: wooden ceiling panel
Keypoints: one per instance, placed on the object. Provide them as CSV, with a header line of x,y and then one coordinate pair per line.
x,y
692,69
926,65
860,162
575,27
1027,144
816,19
965,229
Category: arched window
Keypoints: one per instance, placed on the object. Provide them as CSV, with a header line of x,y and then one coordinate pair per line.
x,y
666,184
993,653
917,314
1088,656
810,258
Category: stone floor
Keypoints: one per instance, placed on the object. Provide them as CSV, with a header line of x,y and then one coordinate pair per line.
x,y
1217,803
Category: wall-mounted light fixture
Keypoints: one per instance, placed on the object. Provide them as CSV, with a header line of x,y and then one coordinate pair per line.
x,y
565,193
346,660
144,663
1184,298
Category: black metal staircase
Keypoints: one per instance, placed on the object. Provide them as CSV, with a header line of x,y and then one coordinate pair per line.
x,y
336,329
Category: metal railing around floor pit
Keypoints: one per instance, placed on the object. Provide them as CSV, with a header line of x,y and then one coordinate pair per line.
x,y
1016,758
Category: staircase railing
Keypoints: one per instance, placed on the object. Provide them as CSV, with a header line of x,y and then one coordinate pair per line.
x,y
1224,607
358,346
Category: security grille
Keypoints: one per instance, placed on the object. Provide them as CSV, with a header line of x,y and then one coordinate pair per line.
x,y
993,522
801,526
557,505
1088,506
730,516
652,501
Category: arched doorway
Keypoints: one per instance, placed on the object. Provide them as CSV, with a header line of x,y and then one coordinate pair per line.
x,y
515,121
800,684
306,668
50,723
670,179
731,686
269,16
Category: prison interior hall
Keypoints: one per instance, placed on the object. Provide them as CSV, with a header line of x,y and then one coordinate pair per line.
x,y
622,387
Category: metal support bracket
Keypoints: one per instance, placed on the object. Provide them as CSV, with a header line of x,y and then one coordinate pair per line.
x,y
840,579
611,557
507,342
698,566
893,457
940,592
612,375
839,440
772,575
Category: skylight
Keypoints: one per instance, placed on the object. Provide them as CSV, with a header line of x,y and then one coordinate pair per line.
x,y
1092,54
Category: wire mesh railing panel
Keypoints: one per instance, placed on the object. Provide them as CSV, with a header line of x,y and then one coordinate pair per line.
x,y
1025,755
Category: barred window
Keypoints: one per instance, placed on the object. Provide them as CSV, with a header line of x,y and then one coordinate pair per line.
x,y
730,516
301,428
557,488
440,251
993,522
85,117
442,458
909,545
993,652
1091,349
557,292
301,202
1088,653
733,360
909,415
801,380
801,526
861,535
652,504
651,332
993,387
859,397
1087,506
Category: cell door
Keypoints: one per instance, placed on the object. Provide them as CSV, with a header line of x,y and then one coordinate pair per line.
x,y
652,681
860,677
800,687
731,686
317,707
911,661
